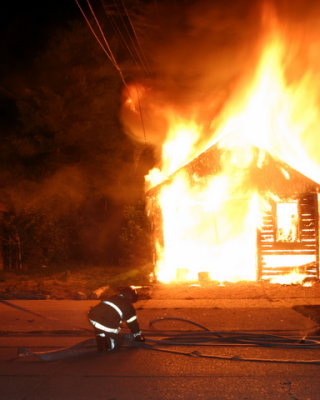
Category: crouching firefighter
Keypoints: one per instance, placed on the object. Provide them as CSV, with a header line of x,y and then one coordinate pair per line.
x,y
107,318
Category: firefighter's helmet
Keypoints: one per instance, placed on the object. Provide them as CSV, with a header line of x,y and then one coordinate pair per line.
x,y
130,293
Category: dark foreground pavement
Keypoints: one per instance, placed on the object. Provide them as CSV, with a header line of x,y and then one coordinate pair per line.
x,y
201,372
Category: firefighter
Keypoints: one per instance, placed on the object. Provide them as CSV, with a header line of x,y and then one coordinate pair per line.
x,y
107,317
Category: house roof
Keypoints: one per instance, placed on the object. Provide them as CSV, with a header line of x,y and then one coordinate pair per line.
x,y
266,173
278,177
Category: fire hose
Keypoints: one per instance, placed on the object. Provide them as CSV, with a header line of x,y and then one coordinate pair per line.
x,y
199,338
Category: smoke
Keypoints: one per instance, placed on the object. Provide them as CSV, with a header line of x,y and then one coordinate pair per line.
x,y
198,51
202,53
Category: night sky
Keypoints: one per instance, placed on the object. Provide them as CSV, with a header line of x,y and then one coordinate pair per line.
x,y
25,30
26,27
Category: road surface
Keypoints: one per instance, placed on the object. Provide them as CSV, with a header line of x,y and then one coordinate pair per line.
x,y
150,374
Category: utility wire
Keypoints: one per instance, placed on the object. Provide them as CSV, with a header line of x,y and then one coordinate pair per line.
x,y
107,50
112,58
122,38
137,47
141,117
93,31
128,37
107,44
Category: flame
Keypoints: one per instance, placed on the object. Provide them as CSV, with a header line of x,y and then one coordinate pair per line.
x,y
209,223
291,278
197,237
275,116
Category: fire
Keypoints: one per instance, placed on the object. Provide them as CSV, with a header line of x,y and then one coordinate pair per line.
x,y
274,116
197,235
209,222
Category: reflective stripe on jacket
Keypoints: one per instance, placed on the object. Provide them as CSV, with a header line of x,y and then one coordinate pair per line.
x,y
110,313
104,328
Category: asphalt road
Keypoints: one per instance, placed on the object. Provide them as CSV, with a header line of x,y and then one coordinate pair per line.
x,y
201,372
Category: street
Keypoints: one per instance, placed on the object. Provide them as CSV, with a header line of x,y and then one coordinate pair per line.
x,y
157,373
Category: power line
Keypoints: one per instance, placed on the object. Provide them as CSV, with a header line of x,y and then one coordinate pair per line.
x,y
138,47
122,24
108,51
122,38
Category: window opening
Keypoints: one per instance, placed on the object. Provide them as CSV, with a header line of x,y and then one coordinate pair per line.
x,y
287,221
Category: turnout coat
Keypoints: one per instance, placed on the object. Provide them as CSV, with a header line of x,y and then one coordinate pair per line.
x,y
109,314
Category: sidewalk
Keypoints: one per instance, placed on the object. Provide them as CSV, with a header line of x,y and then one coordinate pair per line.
x,y
238,295
232,307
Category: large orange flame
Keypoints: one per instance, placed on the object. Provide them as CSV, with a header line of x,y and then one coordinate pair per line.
x,y
209,222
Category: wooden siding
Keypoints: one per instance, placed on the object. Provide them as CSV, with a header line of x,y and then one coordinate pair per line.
x,y
306,245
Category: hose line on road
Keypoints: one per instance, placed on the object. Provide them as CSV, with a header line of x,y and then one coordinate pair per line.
x,y
188,321
205,337
240,338
157,340
9,304
233,358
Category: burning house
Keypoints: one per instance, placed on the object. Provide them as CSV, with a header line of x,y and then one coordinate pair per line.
x,y
253,176
285,238
234,194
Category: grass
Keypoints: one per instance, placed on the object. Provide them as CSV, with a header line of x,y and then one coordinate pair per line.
x,y
70,283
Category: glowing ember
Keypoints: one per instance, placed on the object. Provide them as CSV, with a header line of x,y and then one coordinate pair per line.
x,y
294,277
